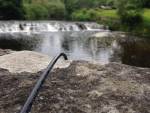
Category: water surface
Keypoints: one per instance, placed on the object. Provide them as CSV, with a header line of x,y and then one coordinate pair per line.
x,y
78,44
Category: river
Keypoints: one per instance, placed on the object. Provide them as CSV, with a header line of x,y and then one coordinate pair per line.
x,y
75,39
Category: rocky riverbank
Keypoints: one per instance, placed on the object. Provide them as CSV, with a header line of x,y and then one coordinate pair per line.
x,y
82,87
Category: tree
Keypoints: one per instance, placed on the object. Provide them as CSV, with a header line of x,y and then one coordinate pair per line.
x,y
146,3
44,9
56,10
11,9
130,12
35,12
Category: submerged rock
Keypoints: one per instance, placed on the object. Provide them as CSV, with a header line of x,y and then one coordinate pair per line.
x,y
80,88
102,34
109,34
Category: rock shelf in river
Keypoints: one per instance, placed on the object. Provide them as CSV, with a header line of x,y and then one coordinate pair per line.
x,y
27,61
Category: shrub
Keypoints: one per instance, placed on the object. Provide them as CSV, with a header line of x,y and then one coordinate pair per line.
x,y
55,10
35,12
38,9
130,12
85,15
11,9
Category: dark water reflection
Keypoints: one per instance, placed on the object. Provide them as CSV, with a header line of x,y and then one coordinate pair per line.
x,y
80,46
136,53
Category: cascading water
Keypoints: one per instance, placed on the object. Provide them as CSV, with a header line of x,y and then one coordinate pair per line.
x,y
52,37
47,26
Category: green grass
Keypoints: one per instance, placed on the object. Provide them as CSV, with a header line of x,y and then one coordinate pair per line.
x,y
146,16
113,14
108,13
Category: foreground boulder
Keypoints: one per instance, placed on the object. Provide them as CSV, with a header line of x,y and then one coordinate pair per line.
x,y
26,61
80,88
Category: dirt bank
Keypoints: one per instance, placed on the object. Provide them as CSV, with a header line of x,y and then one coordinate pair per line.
x,y
80,88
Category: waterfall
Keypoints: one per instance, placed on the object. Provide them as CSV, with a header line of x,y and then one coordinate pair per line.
x,y
47,26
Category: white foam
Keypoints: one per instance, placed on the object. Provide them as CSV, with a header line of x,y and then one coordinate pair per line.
x,y
46,26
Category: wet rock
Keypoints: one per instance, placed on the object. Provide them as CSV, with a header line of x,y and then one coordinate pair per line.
x,y
104,39
81,26
102,34
5,51
109,34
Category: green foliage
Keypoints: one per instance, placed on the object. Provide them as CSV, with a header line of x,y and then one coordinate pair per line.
x,y
84,15
11,9
38,9
75,5
71,6
130,12
111,3
93,14
56,10
35,12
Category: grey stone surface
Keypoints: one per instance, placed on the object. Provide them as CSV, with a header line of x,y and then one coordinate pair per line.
x,y
27,61
82,87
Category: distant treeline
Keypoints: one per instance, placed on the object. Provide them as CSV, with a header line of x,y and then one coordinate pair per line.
x,y
51,9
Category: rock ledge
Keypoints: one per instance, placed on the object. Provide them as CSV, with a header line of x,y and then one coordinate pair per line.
x,y
27,61
80,88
